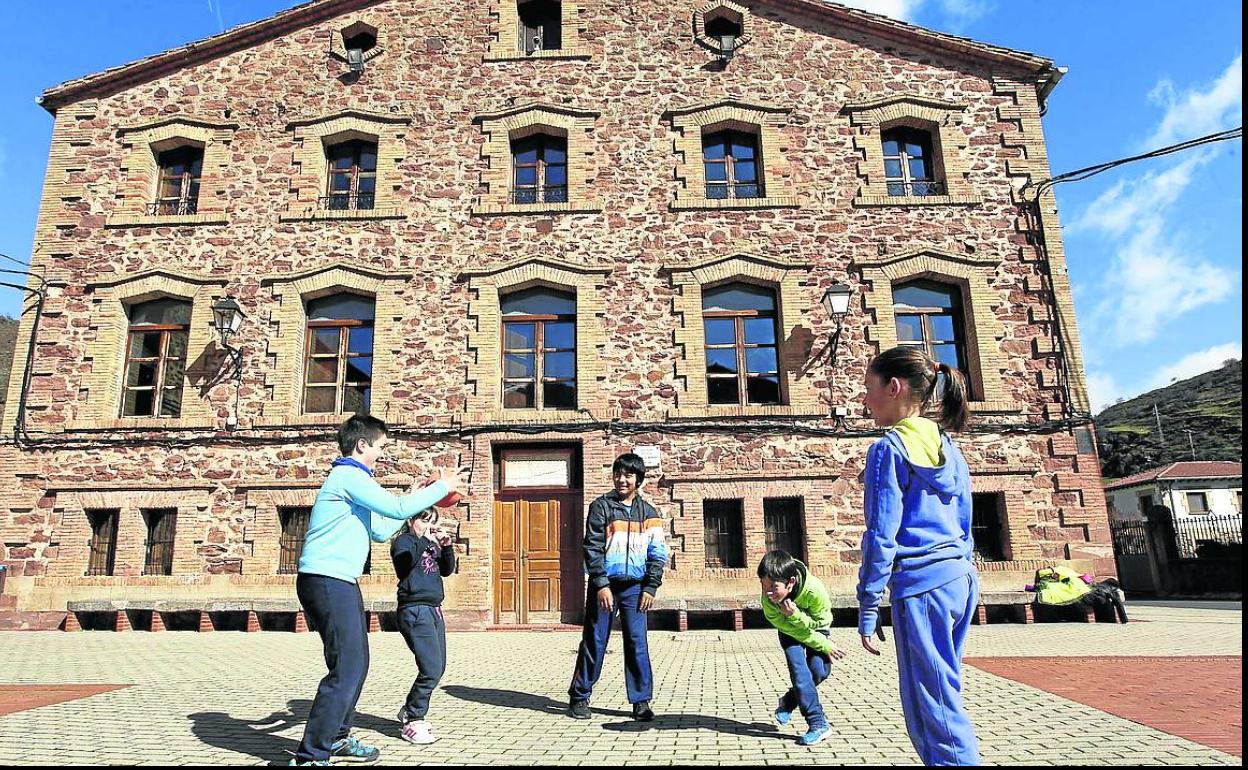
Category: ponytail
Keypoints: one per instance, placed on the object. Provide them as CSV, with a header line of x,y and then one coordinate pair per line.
x,y
955,414
929,380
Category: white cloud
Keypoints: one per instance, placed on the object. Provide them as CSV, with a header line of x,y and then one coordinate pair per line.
x,y
1103,390
904,10
960,13
1153,279
957,13
1196,112
1197,363
1130,201
1154,275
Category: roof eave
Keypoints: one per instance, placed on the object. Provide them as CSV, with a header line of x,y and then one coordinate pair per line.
x,y
144,70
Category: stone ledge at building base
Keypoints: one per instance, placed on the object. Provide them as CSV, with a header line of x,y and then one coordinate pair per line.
x,y
253,615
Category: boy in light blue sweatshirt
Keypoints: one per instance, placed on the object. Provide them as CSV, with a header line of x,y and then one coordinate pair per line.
x,y
918,543
350,510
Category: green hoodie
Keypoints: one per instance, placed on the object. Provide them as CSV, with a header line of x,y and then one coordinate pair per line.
x,y
814,612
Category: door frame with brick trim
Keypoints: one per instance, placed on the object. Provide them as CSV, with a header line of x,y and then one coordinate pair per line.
x,y
537,572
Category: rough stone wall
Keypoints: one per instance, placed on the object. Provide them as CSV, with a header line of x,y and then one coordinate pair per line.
x,y
642,75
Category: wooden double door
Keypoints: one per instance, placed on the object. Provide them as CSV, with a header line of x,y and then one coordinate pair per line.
x,y
538,575
538,568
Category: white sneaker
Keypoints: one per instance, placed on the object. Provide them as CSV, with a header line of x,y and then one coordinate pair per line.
x,y
418,732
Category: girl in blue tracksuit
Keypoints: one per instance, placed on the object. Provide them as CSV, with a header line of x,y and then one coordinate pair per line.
x,y
918,544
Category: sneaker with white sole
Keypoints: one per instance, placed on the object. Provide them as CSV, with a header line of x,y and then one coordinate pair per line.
x,y
816,734
352,749
419,732
783,715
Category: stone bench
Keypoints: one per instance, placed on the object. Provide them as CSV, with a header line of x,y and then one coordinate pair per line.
x,y
157,609
1018,604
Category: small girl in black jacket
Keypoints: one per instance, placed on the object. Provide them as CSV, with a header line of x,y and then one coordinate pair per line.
x,y
423,555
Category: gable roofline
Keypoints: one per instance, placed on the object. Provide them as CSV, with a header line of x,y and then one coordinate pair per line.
x,y
239,38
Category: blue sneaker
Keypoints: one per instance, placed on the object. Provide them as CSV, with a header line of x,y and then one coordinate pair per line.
x,y
314,763
814,735
783,717
351,750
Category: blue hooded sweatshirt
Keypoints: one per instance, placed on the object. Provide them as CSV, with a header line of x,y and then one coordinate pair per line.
x,y
918,526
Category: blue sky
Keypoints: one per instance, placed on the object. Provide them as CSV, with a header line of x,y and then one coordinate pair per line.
x,y
1154,248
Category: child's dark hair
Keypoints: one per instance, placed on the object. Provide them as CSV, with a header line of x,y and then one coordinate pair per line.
x,y
630,463
359,426
429,515
778,566
913,366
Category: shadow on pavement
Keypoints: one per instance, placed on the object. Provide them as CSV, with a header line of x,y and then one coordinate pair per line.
x,y
260,738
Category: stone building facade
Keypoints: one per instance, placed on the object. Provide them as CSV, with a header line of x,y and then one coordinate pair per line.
x,y
424,174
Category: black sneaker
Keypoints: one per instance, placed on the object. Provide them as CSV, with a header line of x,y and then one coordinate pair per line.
x,y
642,712
579,709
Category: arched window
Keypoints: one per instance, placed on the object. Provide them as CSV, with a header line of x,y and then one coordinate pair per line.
x,y
338,369
540,169
909,163
730,159
352,176
178,187
929,317
539,349
742,355
156,358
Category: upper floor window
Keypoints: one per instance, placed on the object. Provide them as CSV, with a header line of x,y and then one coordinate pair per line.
x,y
539,349
352,176
1197,502
541,26
731,162
339,363
156,358
908,163
742,356
178,185
540,168
930,317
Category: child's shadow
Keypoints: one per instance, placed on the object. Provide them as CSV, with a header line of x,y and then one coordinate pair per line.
x,y
260,738
517,700
762,730
552,707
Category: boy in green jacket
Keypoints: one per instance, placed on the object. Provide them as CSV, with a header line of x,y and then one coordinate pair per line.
x,y
798,605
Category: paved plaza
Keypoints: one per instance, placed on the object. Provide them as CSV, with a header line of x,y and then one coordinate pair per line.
x,y
234,698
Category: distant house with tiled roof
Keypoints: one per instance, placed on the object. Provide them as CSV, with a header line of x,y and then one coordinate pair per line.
x,y
1186,488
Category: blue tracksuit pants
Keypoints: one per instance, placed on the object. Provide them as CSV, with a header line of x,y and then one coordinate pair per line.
x,y
930,631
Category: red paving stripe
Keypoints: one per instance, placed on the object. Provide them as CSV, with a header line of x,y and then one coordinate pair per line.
x,y
23,697
1197,698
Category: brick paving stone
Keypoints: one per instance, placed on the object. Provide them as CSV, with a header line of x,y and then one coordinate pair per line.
x,y
20,697
1198,698
240,699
